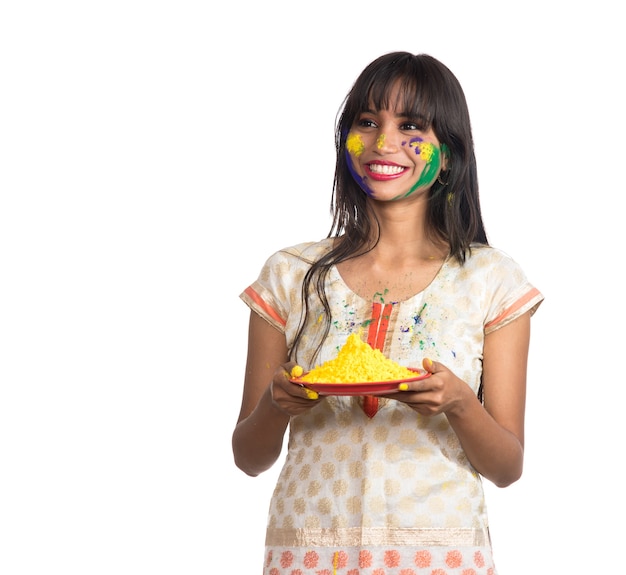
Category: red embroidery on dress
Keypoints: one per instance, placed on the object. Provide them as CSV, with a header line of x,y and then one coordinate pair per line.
x,y
454,559
423,558
340,559
376,335
286,559
365,559
311,559
379,324
370,405
392,558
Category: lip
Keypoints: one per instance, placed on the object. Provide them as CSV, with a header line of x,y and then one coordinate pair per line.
x,y
382,177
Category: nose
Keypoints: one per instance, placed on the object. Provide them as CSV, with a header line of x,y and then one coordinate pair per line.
x,y
387,142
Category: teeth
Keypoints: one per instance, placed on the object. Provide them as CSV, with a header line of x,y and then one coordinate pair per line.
x,y
385,169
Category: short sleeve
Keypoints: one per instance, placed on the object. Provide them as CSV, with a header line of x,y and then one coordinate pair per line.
x,y
276,294
511,294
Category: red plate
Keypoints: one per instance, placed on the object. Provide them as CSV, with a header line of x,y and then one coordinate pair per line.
x,y
365,388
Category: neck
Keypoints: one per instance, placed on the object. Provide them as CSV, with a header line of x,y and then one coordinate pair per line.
x,y
404,236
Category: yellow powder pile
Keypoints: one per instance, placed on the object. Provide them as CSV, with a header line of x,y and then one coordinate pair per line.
x,y
357,362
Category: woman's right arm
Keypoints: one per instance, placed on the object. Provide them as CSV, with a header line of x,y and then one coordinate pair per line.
x,y
258,436
269,399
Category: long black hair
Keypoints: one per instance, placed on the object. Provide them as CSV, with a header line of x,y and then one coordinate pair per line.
x,y
431,95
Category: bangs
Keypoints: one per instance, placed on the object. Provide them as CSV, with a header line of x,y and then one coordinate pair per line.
x,y
418,87
410,99
407,88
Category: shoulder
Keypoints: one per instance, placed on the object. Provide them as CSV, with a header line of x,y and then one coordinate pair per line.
x,y
275,294
310,250
305,252
490,262
490,265
507,291
288,265
481,254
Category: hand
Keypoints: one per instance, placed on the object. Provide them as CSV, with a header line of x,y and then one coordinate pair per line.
x,y
442,392
291,398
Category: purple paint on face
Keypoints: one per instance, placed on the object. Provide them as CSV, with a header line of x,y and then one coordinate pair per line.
x,y
362,181
415,140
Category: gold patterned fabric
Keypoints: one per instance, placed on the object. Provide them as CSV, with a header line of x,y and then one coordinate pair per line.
x,y
392,493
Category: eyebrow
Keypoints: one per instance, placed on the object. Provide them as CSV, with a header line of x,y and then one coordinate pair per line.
x,y
374,112
418,118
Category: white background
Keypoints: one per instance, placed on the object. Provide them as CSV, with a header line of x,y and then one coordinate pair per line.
x,y
153,154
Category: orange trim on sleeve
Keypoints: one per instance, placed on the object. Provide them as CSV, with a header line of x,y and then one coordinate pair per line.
x,y
518,304
256,298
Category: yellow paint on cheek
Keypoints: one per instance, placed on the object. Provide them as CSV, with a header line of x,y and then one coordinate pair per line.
x,y
380,142
355,145
426,150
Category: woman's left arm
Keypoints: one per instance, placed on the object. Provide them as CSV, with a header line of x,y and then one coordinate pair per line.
x,y
493,436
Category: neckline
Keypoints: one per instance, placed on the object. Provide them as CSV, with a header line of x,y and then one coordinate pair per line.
x,y
338,277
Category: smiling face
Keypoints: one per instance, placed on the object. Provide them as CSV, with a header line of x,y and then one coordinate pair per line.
x,y
392,156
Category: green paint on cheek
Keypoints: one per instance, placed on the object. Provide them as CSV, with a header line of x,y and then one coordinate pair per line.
x,y
355,145
433,157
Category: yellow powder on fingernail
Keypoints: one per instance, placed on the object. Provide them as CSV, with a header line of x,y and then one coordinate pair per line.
x,y
311,394
296,371
357,361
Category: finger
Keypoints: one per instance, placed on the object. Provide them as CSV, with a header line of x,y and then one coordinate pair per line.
x,y
415,386
310,394
429,365
296,371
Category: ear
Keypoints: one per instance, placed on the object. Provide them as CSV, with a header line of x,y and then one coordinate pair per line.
x,y
445,157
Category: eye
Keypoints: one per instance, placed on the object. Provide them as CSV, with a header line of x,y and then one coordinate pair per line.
x,y
412,123
366,123
409,126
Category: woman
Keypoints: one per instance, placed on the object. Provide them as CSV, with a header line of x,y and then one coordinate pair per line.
x,y
391,485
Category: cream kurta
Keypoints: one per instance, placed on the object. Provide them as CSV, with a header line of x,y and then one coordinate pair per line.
x,y
390,494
